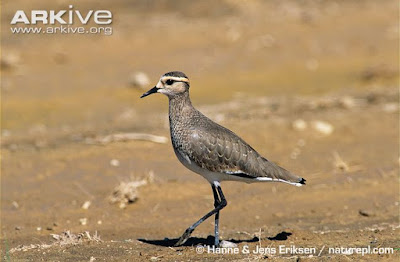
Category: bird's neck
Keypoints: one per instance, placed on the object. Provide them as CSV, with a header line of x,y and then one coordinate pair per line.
x,y
179,105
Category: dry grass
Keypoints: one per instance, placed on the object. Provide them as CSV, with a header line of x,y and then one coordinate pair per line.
x,y
66,238
127,191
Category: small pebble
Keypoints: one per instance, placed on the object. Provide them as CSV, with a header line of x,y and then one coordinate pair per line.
x,y
10,60
86,205
347,102
114,162
299,125
83,221
139,79
15,204
227,244
390,107
323,127
364,213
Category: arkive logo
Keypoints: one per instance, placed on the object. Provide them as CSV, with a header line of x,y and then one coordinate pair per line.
x,y
62,17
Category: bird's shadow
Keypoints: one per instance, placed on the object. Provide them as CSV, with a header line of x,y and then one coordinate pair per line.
x,y
282,236
209,241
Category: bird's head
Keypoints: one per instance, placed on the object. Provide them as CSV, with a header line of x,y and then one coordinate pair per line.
x,y
170,84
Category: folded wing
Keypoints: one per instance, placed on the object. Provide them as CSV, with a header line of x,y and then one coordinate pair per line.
x,y
220,150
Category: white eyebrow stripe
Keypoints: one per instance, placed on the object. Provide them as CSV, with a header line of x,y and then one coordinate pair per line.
x,y
175,78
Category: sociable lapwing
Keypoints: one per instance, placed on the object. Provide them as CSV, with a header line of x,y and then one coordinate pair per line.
x,y
211,150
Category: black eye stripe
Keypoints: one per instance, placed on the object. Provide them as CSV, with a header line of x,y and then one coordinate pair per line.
x,y
169,82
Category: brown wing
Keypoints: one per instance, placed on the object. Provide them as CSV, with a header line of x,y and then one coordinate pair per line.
x,y
220,150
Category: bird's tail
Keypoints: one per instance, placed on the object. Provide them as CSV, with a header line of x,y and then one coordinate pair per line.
x,y
273,172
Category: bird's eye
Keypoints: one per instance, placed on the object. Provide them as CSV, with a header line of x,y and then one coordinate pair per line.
x,y
169,82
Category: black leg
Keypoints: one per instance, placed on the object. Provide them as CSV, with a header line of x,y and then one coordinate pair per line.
x,y
219,204
217,201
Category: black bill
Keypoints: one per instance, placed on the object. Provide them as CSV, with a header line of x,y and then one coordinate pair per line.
x,y
151,91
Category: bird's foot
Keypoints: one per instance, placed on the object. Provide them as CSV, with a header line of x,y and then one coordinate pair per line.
x,y
216,242
184,237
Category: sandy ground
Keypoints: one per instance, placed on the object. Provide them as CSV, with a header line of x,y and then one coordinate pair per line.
x,y
273,65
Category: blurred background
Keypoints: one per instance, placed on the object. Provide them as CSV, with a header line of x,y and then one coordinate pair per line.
x,y
312,84
225,47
